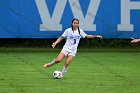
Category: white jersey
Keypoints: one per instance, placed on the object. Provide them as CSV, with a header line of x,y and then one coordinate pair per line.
x,y
72,39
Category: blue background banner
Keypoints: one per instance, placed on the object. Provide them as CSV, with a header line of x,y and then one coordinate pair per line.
x,y
49,18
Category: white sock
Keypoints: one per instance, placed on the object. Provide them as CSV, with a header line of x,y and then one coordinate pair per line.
x,y
64,70
52,63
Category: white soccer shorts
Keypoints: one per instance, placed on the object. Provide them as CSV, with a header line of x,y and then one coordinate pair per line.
x,y
67,53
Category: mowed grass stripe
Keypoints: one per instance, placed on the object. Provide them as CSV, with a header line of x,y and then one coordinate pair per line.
x,y
90,72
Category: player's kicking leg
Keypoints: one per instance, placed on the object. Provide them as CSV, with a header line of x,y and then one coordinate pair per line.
x,y
55,61
68,61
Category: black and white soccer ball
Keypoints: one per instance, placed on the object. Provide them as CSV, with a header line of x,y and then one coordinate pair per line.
x,y
57,74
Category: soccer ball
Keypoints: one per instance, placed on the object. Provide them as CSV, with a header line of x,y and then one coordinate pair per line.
x,y
57,74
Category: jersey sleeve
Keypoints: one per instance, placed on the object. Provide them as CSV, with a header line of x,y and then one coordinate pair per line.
x,y
82,33
65,34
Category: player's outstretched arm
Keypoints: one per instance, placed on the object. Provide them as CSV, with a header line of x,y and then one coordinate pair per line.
x,y
135,40
57,41
93,36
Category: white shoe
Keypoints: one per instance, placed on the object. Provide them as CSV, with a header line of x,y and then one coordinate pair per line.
x,y
46,65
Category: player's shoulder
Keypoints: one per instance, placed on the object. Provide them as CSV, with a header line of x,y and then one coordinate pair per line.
x,y
81,30
68,29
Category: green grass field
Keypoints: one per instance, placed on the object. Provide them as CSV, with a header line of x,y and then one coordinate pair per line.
x,y
113,71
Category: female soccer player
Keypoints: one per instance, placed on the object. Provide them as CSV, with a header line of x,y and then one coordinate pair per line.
x,y
72,36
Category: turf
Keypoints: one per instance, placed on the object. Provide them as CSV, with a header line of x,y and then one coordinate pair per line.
x,y
90,72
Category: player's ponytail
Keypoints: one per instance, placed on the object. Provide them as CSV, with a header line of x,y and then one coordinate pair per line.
x,y
79,30
72,27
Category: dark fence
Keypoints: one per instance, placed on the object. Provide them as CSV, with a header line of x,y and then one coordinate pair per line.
x,y
111,43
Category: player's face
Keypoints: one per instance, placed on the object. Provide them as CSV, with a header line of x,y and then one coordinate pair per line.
x,y
75,23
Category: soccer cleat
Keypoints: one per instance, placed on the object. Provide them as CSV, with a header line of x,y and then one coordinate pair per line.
x,y
46,66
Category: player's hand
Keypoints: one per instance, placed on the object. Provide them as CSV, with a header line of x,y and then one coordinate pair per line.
x,y
99,36
135,40
53,45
